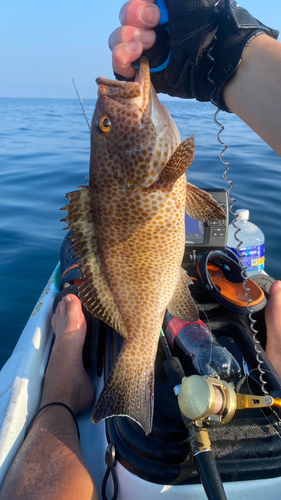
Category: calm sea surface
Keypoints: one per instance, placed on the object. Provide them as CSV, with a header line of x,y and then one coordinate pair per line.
x,y
44,153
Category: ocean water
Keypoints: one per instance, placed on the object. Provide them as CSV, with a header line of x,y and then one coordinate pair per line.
x,y
44,153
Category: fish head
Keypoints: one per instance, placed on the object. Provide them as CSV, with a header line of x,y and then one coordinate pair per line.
x,y
132,133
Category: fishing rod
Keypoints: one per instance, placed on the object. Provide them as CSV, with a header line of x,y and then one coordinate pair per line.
x,y
199,441
208,401
81,104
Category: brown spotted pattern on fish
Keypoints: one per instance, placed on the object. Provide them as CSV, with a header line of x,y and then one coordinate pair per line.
x,y
128,231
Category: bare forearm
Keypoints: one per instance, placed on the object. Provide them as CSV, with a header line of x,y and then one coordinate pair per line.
x,y
254,94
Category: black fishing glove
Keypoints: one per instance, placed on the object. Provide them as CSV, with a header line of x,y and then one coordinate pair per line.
x,y
193,72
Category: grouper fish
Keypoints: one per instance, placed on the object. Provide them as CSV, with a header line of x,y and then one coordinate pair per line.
x,y
129,234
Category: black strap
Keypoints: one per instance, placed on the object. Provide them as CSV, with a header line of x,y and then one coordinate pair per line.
x,y
110,459
227,259
55,404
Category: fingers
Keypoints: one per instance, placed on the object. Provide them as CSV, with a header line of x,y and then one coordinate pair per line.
x,y
127,44
139,13
122,57
134,36
130,34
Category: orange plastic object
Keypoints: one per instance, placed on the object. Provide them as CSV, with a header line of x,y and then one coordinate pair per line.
x,y
234,293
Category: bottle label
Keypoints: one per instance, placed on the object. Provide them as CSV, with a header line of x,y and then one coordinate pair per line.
x,y
176,325
254,257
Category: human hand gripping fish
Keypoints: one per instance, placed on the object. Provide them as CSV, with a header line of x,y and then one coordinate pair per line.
x,y
129,234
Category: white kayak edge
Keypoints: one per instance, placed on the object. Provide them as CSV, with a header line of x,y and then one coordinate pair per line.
x,y
22,376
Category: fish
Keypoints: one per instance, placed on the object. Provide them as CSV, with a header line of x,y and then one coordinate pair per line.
x,y
128,232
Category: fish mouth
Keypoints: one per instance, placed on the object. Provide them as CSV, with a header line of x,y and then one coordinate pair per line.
x,y
136,93
142,77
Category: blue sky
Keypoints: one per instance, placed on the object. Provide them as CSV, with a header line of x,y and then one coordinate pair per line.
x,y
46,43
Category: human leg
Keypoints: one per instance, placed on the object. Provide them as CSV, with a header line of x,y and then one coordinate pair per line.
x,y
50,463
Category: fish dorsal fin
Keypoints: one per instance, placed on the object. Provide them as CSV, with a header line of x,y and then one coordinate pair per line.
x,y
94,292
179,162
202,206
182,305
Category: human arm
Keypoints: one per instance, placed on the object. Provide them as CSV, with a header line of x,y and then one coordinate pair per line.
x,y
253,93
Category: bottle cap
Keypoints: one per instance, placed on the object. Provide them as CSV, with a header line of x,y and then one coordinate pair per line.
x,y
243,214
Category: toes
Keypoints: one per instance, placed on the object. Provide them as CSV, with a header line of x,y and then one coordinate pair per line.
x,y
74,308
59,312
69,317
72,299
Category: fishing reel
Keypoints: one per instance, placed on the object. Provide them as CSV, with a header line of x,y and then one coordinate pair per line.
x,y
211,401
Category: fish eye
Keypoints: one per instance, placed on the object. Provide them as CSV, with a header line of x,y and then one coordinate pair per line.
x,y
104,124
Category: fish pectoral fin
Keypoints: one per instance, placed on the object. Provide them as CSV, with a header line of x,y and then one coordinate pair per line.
x,y
129,391
94,292
179,162
201,205
182,305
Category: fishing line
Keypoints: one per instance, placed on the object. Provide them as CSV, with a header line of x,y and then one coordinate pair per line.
x,y
241,255
209,327
266,371
81,104
165,344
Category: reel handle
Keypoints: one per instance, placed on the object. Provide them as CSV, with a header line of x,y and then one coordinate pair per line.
x,y
214,401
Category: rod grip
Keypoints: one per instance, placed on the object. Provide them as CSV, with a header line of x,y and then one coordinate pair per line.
x,y
209,475
174,371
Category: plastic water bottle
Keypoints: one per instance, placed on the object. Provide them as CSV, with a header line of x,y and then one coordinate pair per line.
x,y
252,243
196,341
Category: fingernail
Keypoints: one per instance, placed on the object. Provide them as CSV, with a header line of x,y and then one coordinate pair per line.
x,y
146,37
149,15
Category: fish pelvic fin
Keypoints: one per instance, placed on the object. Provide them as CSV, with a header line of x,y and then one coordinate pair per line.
x,y
129,392
94,292
201,205
179,162
182,305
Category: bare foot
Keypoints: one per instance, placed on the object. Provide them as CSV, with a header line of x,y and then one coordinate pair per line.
x,y
273,326
66,380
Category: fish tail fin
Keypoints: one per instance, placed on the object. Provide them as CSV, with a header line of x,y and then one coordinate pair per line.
x,y
128,392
